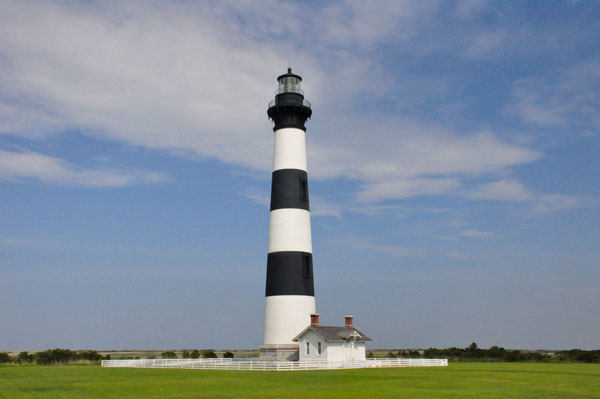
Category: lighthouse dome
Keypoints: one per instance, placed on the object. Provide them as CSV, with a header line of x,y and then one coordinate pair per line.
x,y
289,83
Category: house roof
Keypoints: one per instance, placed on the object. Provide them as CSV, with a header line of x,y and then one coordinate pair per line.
x,y
334,333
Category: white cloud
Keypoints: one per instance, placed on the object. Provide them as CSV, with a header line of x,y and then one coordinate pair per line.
x,y
559,202
355,23
197,77
405,188
261,198
502,190
27,165
476,234
486,43
513,191
156,77
319,206
569,98
402,158
371,149
374,209
469,8
535,104
391,250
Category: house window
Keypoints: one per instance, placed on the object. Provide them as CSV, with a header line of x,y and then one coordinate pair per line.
x,y
319,349
307,348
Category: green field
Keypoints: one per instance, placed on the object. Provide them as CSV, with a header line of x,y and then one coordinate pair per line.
x,y
459,380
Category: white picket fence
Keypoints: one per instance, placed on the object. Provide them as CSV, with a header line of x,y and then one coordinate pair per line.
x,y
257,365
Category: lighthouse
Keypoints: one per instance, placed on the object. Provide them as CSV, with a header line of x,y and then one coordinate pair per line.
x,y
290,294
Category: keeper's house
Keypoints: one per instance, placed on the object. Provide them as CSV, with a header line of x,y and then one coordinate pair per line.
x,y
331,343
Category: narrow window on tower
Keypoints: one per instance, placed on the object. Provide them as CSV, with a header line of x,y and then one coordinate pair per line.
x,y
303,189
319,349
307,266
307,348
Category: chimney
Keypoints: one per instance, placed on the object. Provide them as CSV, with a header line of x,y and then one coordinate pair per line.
x,y
348,321
314,320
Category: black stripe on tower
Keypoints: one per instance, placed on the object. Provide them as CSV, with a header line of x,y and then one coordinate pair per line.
x,y
290,273
289,110
289,189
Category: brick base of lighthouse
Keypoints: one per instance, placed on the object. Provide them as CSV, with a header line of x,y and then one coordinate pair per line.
x,y
279,353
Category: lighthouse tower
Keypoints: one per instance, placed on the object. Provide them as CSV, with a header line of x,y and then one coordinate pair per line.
x,y
290,294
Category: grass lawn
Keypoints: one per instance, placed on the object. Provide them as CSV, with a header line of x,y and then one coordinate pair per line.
x,y
459,380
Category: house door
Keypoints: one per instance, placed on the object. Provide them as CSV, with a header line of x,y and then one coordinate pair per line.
x,y
349,352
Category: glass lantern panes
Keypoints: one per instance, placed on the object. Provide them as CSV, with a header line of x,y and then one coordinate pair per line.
x,y
289,84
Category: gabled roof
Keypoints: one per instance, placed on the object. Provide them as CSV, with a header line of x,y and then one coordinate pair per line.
x,y
334,333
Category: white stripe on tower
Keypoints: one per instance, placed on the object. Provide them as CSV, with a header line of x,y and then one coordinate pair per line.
x,y
290,288
283,319
289,230
290,149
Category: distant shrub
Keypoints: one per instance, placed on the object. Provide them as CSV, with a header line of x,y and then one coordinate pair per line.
x,y
228,355
409,353
580,355
370,355
169,355
209,353
4,357
55,356
89,355
195,354
24,357
185,354
496,353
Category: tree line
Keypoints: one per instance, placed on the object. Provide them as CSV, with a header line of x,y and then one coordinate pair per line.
x,y
52,356
65,356
495,353
470,353
195,354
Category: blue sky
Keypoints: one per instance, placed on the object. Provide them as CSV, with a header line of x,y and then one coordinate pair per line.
x,y
453,165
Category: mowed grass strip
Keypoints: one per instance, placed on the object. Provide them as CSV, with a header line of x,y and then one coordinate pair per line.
x,y
459,380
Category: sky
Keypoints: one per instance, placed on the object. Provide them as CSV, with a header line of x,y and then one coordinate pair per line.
x,y
453,162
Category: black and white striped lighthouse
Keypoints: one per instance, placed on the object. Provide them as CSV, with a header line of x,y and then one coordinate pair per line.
x,y
290,295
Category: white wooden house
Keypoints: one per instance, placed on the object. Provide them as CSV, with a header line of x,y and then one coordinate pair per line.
x,y
331,343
